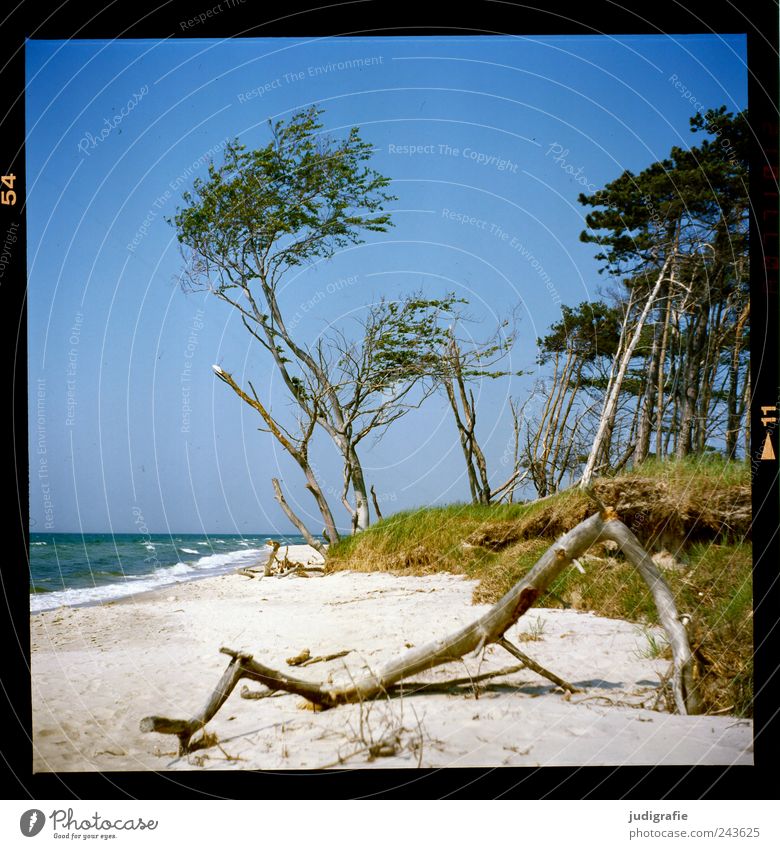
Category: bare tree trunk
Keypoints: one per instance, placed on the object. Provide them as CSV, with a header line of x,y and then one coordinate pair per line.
x,y
690,388
303,530
648,402
557,471
312,484
734,418
746,399
470,415
610,403
353,476
659,418
712,348
297,449
184,729
465,412
517,413
335,426
552,436
466,443
359,489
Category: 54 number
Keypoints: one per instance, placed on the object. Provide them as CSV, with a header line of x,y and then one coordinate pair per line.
x,y
8,198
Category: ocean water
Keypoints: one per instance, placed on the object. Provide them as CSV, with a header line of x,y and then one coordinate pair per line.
x,y
78,569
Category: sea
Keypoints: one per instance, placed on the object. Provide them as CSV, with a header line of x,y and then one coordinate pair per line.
x,y
83,569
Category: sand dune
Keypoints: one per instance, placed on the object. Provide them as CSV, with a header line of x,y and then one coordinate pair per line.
x,y
96,671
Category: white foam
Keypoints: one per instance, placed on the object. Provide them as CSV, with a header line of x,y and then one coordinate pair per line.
x,y
190,551
217,560
177,569
164,576
39,543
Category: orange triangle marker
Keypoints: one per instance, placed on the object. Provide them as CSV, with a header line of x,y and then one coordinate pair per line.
x,y
767,452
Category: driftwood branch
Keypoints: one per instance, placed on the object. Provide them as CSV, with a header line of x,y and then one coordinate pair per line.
x,y
416,687
184,729
530,663
411,688
686,696
488,628
305,658
269,564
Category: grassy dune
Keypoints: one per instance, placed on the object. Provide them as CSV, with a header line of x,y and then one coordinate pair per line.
x,y
694,514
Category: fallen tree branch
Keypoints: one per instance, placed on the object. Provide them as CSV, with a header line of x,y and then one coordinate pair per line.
x,y
184,729
406,688
686,696
416,687
532,664
488,628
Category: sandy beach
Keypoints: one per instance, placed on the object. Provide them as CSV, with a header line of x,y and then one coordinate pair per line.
x,y
97,671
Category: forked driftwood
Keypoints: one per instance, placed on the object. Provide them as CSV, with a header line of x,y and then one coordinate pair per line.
x,y
488,628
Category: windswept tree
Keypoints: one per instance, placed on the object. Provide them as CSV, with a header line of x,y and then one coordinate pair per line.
x,y
377,371
262,214
375,376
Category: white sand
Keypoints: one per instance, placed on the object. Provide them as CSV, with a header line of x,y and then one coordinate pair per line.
x,y
96,671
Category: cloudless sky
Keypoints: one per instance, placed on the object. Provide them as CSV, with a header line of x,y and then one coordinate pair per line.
x,y
127,419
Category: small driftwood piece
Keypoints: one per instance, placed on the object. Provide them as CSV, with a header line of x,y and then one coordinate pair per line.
x,y
269,564
298,659
322,658
488,628
300,569
286,566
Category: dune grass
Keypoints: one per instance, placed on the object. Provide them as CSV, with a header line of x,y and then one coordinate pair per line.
x,y
498,544
436,539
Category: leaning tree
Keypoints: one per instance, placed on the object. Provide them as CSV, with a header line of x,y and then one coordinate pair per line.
x,y
260,216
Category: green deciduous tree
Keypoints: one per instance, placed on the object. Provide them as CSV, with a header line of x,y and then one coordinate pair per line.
x,y
265,212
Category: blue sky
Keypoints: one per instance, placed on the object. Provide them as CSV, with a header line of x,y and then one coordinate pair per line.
x,y
488,142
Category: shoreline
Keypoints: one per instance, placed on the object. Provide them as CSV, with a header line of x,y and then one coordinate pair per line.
x,y
98,670
293,550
